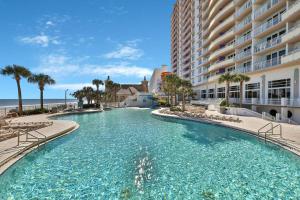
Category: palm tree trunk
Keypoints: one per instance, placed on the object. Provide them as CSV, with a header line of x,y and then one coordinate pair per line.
x,y
20,98
241,93
183,101
227,92
42,99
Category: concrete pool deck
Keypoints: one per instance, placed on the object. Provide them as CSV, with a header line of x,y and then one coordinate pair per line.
x,y
290,133
10,152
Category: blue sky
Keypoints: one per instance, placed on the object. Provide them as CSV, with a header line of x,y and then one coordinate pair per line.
x,y
76,41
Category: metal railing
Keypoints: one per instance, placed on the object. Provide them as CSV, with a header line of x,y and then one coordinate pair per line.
x,y
270,130
265,7
243,54
243,39
242,24
5,110
266,25
267,63
245,6
267,44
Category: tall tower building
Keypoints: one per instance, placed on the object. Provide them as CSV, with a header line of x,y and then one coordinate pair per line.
x,y
259,38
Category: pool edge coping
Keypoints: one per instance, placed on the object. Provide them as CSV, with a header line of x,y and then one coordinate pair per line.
x,y
285,146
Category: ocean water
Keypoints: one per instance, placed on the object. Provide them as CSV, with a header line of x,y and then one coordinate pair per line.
x,y
14,102
130,154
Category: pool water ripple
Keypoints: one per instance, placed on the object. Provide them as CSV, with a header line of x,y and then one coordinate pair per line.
x,y
129,154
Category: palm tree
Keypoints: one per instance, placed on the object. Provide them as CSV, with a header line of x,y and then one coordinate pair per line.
x,y
241,78
109,84
17,72
79,94
97,83
185,89
88,94
227,78
41,80
171,85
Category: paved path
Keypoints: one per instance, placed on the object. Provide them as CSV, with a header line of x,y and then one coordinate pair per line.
x,y
10,152
290,133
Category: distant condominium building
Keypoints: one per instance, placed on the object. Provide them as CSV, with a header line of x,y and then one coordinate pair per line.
x,y
259,38
155,84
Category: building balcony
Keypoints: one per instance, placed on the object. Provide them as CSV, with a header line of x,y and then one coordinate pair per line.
x,y
241,69
221,51
229,22
267,8
221,64
267,25
264,64
226,36
223,13
244,24
243,9
243,39
264,45
293,56
242,55
293,10
293,34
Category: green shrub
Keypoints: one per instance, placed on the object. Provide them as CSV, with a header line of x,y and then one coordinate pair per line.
x,y
35,111
174,109
163,103
224,103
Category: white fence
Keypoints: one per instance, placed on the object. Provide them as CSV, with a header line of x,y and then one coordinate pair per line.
x,y
4,110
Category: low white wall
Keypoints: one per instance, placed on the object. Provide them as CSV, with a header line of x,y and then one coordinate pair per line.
x,y
242,112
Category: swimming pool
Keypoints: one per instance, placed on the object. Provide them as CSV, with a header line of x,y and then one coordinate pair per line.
x,y
129,154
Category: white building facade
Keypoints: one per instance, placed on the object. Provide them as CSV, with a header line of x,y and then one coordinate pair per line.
x,y
156,81
260,38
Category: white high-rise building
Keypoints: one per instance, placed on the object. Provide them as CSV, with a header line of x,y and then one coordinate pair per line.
x,y
155,83
260,38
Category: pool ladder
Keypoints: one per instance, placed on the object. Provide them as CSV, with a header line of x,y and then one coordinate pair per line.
x,y
270,130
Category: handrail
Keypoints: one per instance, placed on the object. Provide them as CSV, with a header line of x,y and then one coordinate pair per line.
x,y
271,130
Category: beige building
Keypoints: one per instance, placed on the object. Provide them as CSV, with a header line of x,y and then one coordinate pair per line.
x,y
260,38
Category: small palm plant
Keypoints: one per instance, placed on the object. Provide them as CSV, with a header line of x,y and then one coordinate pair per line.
x,y
227,78
241,78
41,80
17,72
97,83
185,89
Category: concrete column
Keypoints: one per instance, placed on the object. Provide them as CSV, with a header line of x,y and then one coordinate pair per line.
x,y
296,84
284,109
263,88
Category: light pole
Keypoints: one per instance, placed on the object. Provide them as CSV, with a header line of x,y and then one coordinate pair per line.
x,y
66,97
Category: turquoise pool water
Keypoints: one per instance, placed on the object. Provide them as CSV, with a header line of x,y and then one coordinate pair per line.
x,y
129,154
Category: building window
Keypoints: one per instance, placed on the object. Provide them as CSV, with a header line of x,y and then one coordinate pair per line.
x,y
203,94
279,89
211,93
252,90
221,93
234,92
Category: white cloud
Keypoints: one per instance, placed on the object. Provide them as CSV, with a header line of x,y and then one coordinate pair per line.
x,y
42,40
60,65
49,23
125,52
73,86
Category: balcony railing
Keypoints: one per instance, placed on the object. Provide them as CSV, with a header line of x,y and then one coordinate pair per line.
x,y
243,39
267,63
267,44
266,25
243,69
241,25
246,5
265,7
243,54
